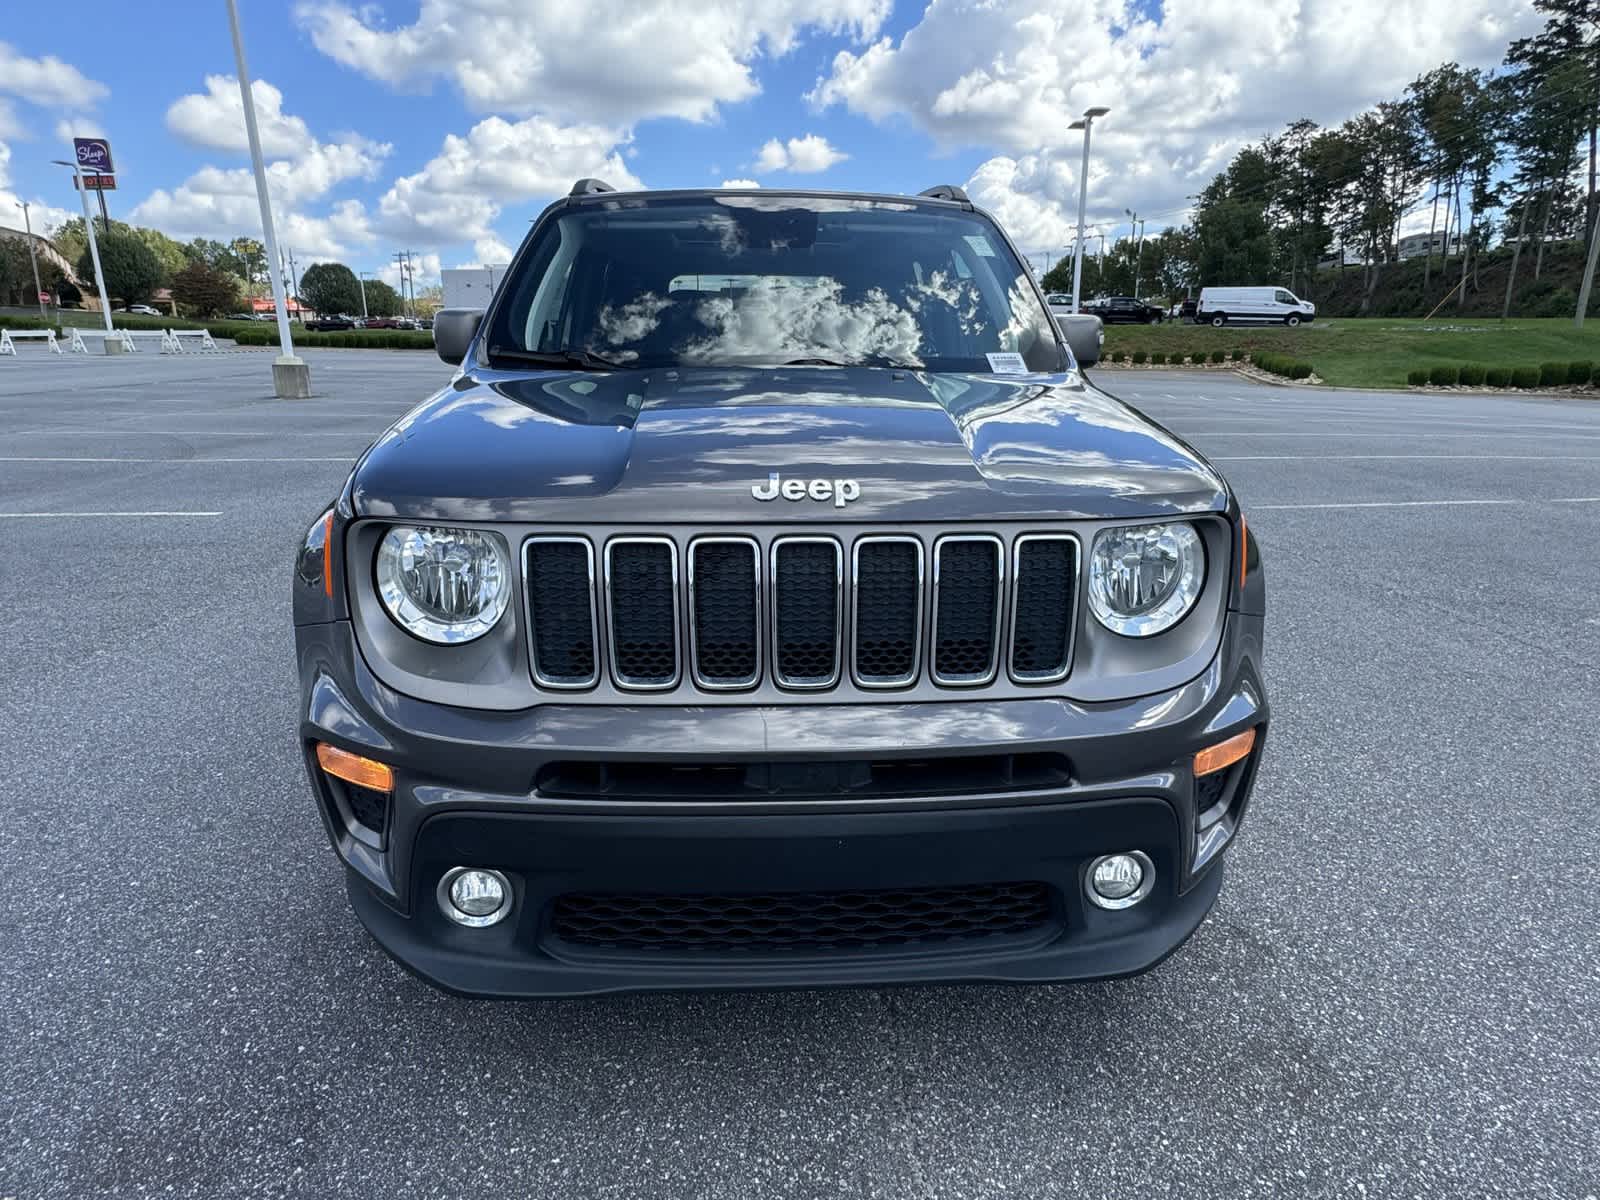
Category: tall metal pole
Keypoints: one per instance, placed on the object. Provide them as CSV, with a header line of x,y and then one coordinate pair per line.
x,y
38,288
94,247
300,384
361,282
1083,201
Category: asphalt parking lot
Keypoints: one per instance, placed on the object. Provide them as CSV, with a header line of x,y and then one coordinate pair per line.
x,y
1398,994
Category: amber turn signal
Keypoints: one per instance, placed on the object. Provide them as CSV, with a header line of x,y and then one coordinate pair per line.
x,y
352,768
1224,754
327,555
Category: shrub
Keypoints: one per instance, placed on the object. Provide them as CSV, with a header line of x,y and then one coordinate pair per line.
x,y
1417,376
1116,356
1497,376
1282,364
1138,356
1158,358
1525,377
1444,376
1218,356
1580,372
1236,355
1472,375
1552,374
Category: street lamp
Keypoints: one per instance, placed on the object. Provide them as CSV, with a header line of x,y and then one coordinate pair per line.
x,y
1138,252
33,257
361,282
1086,123
291,377
94,249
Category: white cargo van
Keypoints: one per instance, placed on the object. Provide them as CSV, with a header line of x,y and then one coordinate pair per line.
x,y
1219,305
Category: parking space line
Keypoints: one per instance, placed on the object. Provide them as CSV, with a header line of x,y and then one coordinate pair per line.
x,y
1377,457
345,458
1425,503
12,516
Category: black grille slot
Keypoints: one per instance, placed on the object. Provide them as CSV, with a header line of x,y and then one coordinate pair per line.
x,y
888,613
561,613
805,581
803,921
644,613
967,604
723,587
1041,631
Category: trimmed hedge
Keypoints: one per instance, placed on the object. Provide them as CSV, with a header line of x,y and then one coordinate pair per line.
x,y
1219,356
1158,358
1498,377
1580,372
354,339
1443,376
1137,357
1525,377
1282,364
1417,376
1552,374
1471,375
1236,356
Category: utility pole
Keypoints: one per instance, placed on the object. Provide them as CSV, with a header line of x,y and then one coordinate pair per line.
x,y
38,288
291,377
411,276
402,265
361,282
1085,123
1138,253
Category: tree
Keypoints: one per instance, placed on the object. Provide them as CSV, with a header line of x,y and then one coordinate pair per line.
x,y
431,299
131,269
168,252
252,256
382,300
330,288
204,291
16,271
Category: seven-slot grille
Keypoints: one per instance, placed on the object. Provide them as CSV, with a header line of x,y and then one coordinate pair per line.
x,y
742,613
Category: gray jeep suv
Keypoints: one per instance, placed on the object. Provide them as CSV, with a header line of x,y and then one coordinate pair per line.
x,y
769,600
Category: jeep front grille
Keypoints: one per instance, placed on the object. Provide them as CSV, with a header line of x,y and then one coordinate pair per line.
x,y
862,610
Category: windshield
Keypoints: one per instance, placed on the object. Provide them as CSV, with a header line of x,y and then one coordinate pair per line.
x,y
752,280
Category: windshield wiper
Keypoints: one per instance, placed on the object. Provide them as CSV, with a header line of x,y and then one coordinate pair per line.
x,y
872,360
583,360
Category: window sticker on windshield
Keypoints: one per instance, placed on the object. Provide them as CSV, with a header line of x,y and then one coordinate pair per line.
x,y
980,244
1007,362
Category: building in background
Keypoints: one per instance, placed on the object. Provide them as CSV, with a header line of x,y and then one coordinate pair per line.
x,y
471,287
1415,245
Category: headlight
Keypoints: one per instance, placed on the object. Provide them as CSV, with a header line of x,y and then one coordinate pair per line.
x,y
443,585
1144,578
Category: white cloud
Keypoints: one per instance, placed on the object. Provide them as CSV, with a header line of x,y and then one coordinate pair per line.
x,y
805,155
47,82
424,269
613,61
491,251
459,193
1186,89
739,183
220,202
215,120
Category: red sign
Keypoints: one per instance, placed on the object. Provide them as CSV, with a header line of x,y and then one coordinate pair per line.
x,y
97,183
44,297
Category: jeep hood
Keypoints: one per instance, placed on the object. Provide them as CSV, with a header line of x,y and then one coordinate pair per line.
x,y
687,445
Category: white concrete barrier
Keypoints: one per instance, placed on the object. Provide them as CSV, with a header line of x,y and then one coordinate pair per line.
x,y
9,337
130,339
79,346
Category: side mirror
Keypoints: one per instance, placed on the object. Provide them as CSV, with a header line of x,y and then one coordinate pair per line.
x,y
1084,333
453,331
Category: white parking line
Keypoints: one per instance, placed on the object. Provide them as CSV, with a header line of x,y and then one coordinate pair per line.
x,y
41,459
1376,457
11,516
1423,503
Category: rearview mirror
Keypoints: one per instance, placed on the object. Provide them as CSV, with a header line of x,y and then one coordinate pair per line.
x,y
453,331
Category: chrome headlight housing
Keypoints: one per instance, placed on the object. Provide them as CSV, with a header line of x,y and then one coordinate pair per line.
x,y
1143,579
443,585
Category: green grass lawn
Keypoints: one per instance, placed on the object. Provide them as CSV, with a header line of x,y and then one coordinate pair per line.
x,y
1378,351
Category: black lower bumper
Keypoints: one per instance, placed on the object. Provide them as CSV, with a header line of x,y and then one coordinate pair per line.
x,y
467,795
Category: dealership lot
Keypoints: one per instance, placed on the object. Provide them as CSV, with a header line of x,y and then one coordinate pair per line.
x,y
1398,994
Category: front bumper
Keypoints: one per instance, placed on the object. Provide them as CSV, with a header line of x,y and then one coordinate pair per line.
x,y
466,794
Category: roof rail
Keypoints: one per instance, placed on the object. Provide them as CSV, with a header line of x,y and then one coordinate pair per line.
x,y
945,191
590,187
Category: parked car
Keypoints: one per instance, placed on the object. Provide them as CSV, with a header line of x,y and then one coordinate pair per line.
x,y
1123,310
331,323
1274,305
140,310
836,632
1182,310
382,323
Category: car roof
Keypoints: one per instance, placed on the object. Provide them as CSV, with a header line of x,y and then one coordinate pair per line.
x,y
800,193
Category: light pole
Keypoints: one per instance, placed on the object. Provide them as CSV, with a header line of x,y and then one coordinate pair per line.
x,y
1085,124
38,288
94,249
1138,252
361,282
291,377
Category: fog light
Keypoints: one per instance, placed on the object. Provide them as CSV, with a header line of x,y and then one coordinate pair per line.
x,y
473,897
1121,880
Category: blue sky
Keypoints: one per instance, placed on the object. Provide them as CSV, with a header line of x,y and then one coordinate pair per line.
x,y
443,127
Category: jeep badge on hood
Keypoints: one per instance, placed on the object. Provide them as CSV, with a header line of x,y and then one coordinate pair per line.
x,y
840,491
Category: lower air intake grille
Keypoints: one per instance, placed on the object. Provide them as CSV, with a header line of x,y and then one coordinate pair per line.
x,y
966,608
1047,576
802,921
888,614
722,582
805,581
560,612
644,612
